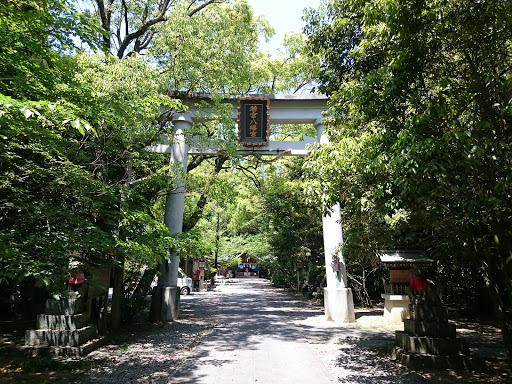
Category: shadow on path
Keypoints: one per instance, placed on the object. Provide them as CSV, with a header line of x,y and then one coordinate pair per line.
x,y
252,333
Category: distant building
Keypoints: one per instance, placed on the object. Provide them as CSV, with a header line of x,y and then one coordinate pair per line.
x,y
247,267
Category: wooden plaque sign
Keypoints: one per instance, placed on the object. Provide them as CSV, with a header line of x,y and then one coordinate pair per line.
x,y
253,120
399,276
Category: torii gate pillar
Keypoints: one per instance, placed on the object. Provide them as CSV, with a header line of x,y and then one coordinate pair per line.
x,y
165,305
338,300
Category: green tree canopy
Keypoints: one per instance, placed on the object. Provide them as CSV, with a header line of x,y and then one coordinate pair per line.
x,y
77,181
71,141
420,129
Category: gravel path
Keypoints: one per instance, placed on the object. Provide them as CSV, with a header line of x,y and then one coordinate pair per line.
x,y
356,353
155,357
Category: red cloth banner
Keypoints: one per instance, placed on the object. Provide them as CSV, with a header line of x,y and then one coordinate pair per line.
x,y
418,284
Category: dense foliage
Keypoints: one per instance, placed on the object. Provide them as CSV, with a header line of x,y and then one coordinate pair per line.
x,y
267,219
420,130
82,90
74,134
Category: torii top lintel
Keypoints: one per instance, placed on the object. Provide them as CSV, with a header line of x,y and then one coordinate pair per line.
x,y
284,109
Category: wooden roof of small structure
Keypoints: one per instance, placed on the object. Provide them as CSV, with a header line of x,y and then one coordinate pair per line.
x,y
404,259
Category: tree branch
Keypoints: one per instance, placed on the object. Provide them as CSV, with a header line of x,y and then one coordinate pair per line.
x,y
125,17
137,47
202,6
144,28
249,174
196,161
145,41
132,36
105,22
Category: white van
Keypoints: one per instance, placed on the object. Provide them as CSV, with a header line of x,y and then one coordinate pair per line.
x,y
184,283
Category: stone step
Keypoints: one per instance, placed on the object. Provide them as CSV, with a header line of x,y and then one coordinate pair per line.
x,y
422,312
427,361
64,351
49,337
62,322
423,328
431,345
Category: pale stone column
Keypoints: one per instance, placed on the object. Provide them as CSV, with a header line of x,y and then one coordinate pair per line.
x,y
173,219
338,300
175,201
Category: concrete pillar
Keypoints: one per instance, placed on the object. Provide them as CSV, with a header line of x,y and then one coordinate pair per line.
x,y
338,300
174,207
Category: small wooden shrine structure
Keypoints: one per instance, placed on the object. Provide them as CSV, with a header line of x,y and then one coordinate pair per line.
x,y
400,264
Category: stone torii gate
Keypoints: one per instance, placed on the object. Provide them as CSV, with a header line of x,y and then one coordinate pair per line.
x,y
283,109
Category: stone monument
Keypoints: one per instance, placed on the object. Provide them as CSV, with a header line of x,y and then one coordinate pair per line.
x,y
428,339
64,329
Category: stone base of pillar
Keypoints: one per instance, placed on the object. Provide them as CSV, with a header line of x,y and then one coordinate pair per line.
x,y
170,303
339,305
165,304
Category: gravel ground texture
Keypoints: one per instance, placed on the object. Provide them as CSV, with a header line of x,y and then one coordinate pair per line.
x,y
155,357
354,353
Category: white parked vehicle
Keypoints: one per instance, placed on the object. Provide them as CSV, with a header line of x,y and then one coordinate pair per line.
x,y
184,283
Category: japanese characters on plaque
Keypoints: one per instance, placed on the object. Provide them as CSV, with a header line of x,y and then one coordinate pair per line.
x,y
253,120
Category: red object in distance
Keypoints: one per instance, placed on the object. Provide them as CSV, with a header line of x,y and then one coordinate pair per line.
x,y
418,284
78,278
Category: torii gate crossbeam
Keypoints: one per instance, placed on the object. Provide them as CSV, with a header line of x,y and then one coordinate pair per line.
x,y
284,109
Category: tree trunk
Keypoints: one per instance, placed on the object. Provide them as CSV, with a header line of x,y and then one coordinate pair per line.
x,y
503,315
217,239
144,284
117,294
